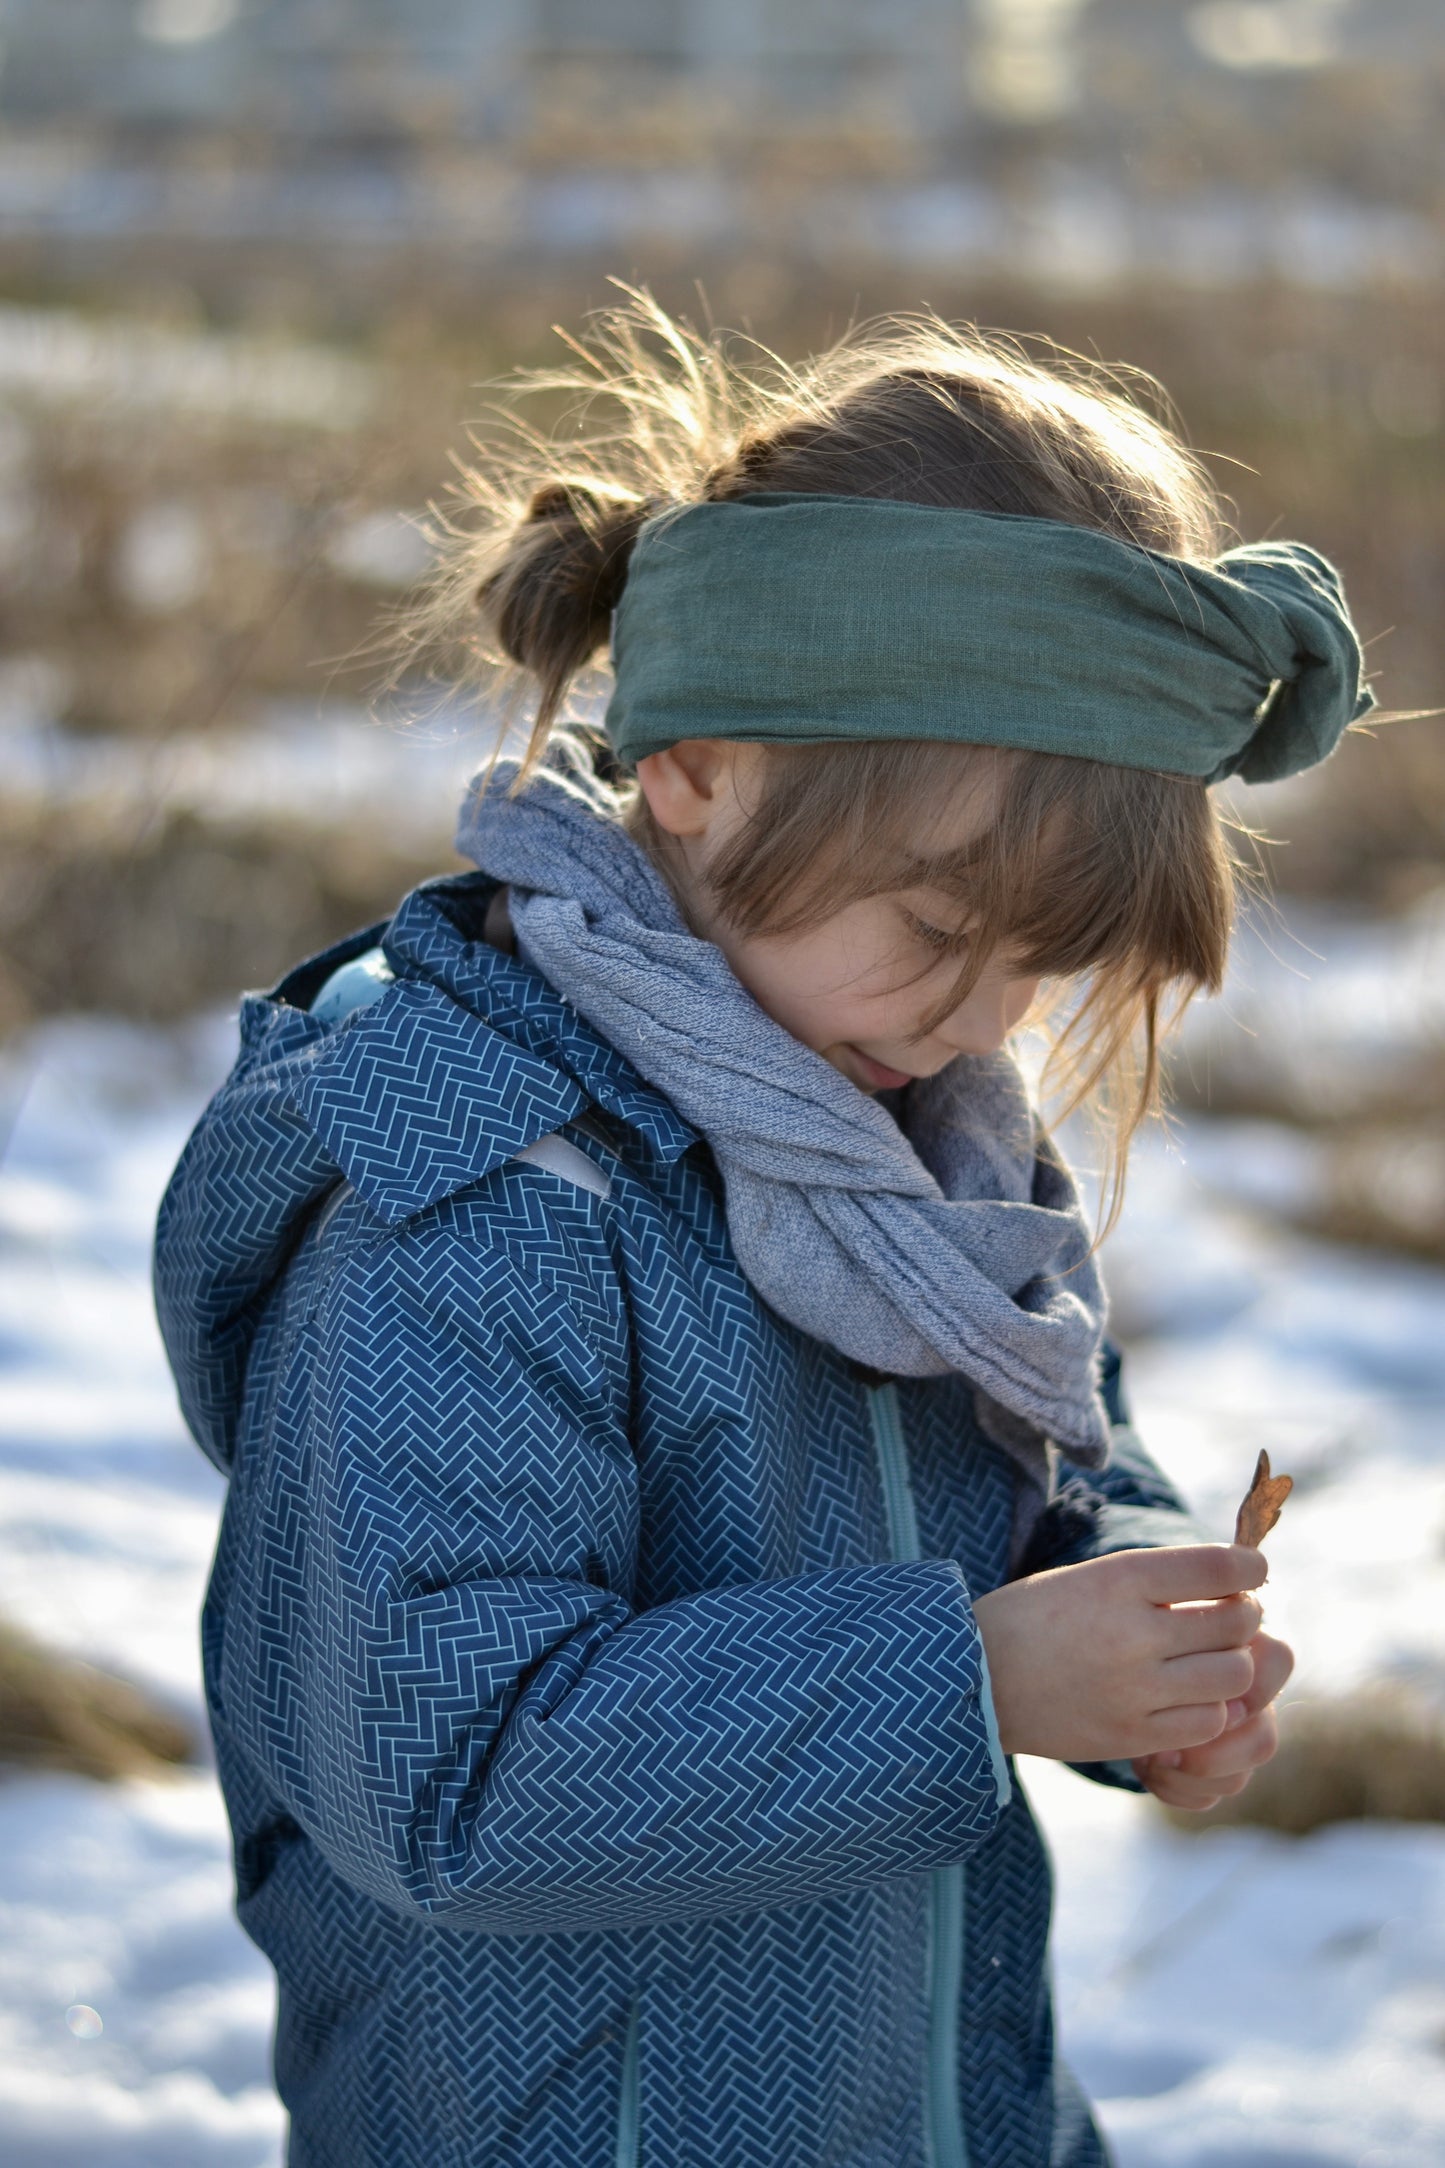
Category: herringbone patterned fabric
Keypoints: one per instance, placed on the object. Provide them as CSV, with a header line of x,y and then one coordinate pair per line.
x,y
560,1675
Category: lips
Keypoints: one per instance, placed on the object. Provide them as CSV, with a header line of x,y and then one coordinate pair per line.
x,y
877,1075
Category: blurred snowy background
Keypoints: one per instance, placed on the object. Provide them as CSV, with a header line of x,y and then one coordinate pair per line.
x,y
255,258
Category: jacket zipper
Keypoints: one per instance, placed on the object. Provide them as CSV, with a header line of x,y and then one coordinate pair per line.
x,y
944,2143
627,2154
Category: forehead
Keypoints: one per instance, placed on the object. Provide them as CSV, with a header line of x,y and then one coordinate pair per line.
x,y
938,844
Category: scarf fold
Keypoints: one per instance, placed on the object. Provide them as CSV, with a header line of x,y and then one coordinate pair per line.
x,y
948,1239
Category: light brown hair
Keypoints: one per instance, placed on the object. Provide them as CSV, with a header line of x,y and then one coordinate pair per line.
x,y
1118,882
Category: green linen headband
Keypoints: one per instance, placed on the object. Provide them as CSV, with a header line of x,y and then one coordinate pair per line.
x,y
799,619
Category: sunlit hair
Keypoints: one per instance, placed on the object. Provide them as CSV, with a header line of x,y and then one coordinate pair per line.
x,y
1116,884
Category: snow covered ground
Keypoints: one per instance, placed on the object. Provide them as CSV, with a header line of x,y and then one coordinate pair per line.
x,y
1235,2000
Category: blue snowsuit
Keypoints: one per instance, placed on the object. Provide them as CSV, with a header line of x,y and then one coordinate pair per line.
x,y
590,1655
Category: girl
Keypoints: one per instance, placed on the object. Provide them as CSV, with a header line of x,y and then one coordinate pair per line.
x,y
655,1349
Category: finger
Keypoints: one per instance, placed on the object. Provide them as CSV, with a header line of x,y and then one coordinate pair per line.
x,y
1273,1664
1221,1675
1227,1624
1236,1752
1187,1726
1162,1773
1188,1806
1198,1570
1195,1796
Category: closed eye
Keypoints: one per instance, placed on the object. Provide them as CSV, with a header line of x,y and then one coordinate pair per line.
x,y
934,937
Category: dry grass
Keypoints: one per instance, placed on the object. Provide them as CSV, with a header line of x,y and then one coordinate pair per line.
x,y
1374,1756
1385,1189
181,918
57,1713
1376,1129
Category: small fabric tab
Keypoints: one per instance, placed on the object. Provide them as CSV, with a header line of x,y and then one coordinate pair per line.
x,y
567,1161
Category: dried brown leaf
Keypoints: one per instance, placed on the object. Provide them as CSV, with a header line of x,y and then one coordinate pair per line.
x,y
1261,1505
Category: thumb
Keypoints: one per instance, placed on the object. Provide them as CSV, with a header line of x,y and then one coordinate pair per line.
x,y
1273,1663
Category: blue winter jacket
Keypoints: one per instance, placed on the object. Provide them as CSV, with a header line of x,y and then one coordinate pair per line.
x,y
590,1655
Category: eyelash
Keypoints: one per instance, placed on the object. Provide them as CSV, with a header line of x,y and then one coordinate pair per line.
x,y
933,937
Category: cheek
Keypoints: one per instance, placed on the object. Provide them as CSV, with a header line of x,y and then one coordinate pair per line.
x,y
818,981
1019,998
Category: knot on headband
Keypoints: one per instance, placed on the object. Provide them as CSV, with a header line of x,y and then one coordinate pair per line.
x,y
1288,603
789,618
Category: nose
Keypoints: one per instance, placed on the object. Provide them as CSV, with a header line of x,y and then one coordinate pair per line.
x,y
1019,998
990,1013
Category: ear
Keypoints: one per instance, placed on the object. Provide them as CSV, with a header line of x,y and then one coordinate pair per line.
x,y
688,785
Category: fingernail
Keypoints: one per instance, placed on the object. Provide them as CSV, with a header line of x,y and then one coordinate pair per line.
x,y
1167,1761
1236,1712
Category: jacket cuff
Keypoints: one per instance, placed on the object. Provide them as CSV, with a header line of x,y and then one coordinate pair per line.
x,y
1003,1781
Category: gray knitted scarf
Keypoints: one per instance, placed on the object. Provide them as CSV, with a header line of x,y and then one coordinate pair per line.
x,y
949,1238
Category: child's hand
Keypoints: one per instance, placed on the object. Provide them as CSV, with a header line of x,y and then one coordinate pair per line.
x,y
1090,1663
1197,1777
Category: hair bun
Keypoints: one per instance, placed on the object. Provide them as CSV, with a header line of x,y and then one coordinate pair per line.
x,y
555,500
559,576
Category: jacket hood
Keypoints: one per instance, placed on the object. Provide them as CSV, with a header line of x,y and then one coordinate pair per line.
x,y
467,1058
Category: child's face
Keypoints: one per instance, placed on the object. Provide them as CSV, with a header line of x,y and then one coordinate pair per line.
x,y
856,987
850,988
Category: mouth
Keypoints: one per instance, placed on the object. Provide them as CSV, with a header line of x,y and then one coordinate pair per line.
x,y
876,1076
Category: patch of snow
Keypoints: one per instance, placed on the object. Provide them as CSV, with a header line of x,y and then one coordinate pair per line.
x,y
380,549
327,760
33,690
59,357
1316,1007
184,22
1244,2000
120,1899
162,561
